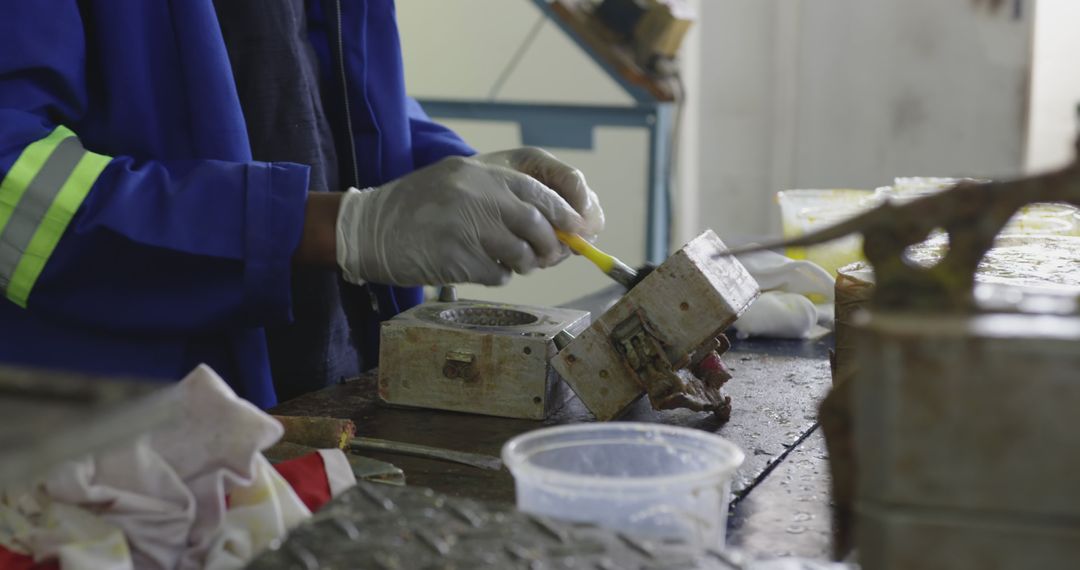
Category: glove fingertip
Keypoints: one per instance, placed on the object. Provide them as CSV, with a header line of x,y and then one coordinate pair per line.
x,y
497,278
570,221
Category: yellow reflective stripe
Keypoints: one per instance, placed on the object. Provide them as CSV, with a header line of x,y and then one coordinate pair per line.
x,y
52,227
24,170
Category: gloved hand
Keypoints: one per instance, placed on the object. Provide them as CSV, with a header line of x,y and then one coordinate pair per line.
x,y
564,179
463,220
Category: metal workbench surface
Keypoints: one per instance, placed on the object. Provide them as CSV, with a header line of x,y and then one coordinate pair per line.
x,y
781,502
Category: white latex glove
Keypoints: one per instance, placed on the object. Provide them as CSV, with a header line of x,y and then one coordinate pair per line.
x,y
778,314
463,220
782,310
776,272
564,179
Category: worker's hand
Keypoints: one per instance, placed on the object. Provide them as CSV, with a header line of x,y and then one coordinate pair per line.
x,y
460,220
568,181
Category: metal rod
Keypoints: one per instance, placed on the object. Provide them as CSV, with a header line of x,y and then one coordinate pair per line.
x,y
471,459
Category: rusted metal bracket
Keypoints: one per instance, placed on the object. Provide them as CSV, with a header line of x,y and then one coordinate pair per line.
x,y
669,385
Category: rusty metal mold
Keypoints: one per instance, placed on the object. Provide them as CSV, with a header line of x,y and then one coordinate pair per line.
x,y
664,337
470,356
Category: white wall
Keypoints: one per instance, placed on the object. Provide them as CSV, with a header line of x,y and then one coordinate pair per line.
x,y
851,93
904,87
456,49
737,98
1055,91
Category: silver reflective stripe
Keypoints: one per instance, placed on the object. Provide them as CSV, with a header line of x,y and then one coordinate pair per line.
x,y
30,210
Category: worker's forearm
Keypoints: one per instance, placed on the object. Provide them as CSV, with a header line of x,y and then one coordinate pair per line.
x,y
318,242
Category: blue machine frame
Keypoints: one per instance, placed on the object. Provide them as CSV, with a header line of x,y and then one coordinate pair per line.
x,y
573,126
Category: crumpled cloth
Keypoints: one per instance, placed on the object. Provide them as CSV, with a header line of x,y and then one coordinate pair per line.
x,y
783,310
194,494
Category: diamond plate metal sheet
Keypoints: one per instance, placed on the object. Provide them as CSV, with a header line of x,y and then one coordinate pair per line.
x,y
390,528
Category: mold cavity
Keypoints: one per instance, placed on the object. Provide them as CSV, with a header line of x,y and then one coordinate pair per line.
x,y
487,317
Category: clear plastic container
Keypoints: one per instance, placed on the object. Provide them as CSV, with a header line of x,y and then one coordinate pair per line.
x,y
645,479
926,185
1034,219
804,211
1045,219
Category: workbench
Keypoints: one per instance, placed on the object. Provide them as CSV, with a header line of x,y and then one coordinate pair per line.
x,y
781,492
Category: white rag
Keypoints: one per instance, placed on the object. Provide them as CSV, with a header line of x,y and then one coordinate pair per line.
x,y
195,494
783,309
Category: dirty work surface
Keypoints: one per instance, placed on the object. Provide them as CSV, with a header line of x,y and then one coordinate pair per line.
x,y
775,391
774,401
788,513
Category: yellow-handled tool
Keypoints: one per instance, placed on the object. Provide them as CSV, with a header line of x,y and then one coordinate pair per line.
x,y
609,264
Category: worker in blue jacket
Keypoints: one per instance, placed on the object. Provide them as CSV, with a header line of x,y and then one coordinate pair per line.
x,y
171,193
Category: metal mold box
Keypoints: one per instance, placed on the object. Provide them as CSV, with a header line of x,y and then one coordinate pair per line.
x,y
931,539
965,437
682,307
471,356
969,412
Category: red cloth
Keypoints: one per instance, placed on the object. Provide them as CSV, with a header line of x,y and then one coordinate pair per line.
x,y
306,475
11,561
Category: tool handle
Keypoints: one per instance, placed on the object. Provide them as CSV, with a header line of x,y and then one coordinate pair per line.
x,y
589,251
317,432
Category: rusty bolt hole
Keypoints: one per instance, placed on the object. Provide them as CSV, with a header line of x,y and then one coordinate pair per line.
x,y
527,350
684,306
487,317
571,359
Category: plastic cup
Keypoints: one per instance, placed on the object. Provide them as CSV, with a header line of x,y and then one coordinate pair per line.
x,y
804,211
1045,219
647,480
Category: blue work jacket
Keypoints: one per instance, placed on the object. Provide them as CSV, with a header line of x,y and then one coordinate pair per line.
x,y
137,235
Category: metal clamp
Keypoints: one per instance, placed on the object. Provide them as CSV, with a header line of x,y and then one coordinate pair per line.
x,y
668,386
641,349
460,364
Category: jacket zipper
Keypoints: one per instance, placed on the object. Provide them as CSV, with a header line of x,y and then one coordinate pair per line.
x,y
345,94
372,298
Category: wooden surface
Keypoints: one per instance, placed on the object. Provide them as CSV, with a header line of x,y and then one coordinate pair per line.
x,y
781,491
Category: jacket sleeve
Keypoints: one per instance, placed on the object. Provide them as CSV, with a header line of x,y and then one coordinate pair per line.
x,y
114,243
431,141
